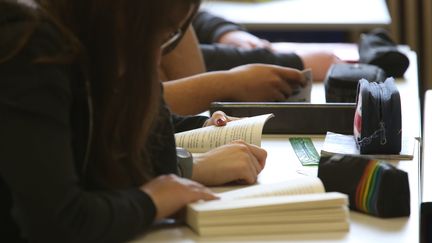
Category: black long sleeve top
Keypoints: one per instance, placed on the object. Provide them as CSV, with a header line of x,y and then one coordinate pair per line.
x,y
44,131
209,28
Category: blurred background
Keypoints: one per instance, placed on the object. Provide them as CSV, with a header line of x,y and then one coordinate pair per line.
x,y
335,21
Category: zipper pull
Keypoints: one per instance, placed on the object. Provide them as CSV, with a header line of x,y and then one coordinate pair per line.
x,y
383,139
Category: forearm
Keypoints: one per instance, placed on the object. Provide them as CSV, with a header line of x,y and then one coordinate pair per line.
x,y
222,57
185,60
59,209
193,95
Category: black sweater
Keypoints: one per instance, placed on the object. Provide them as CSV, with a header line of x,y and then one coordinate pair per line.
x,y
44,130
210,28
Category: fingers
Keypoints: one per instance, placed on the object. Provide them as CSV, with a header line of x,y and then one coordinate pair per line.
x,y
259,153
284,90
294,76
170,193
255,163
280,96
192,190
285,81
250,175
201,194
234,162
257,43
219,118
266,44
256,158
247,45
191,184
195,191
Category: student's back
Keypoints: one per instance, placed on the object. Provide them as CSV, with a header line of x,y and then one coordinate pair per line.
x,y
9,231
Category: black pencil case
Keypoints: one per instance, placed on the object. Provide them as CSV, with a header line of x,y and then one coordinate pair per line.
x,y
342,80
378,118
373,187
377,48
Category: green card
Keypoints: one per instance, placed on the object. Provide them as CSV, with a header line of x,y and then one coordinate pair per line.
x,y
305,151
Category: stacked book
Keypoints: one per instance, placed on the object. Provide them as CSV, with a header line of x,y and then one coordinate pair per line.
x,y
295,206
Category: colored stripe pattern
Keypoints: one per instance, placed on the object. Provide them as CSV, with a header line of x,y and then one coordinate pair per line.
x,y
368,187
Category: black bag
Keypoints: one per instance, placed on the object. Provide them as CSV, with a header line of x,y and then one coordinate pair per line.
x,y
379,49
373,187
378,118
342,80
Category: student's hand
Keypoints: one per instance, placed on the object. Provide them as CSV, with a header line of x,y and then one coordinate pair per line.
x,y
318,61
243,39
234,162
219,118
170,193
262,82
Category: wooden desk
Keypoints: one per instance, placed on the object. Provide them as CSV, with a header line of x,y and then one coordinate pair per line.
x,y
304,14
282,164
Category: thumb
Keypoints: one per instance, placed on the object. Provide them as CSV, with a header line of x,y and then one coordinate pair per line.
x,y
219,118
295,76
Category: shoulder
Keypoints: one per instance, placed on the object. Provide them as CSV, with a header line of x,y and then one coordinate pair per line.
x,y
24,29
26,38
25,83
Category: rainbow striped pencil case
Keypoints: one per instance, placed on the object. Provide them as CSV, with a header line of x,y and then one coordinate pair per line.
x,y
374,187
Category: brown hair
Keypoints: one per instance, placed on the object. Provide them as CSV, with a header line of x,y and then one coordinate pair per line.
x,y
118,43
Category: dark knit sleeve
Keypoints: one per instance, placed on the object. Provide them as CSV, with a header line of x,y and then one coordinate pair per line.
x,y
223,57
36,156
185,123
209,28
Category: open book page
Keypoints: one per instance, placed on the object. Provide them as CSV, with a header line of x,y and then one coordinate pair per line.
x,y
206,138
303,94
345,144
301,185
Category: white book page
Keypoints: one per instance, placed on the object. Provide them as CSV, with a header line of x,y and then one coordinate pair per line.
x,y
335,143
206,138
297,186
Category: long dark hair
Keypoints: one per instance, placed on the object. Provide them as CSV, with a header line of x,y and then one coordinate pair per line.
x,y
118,41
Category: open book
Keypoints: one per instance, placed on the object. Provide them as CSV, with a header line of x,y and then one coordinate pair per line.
x,y
295,206
206,138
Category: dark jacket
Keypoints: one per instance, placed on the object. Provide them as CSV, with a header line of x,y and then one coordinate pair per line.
x,y
210,28
44,131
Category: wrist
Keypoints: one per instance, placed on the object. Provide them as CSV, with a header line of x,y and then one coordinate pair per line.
x,y
196,171
229,85
184,163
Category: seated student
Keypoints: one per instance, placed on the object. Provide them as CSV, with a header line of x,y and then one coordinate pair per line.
x,y
87,151
268,77
190,89
225,45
